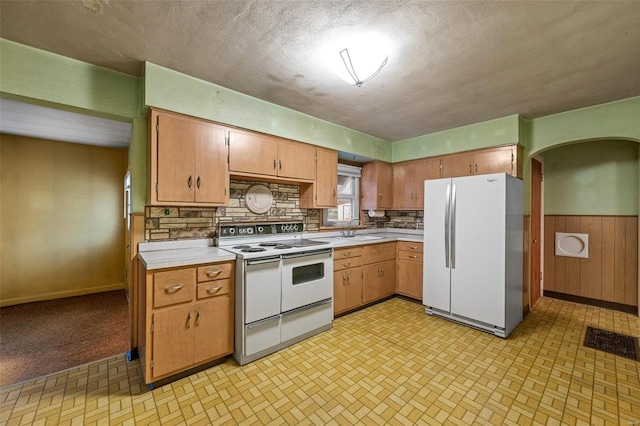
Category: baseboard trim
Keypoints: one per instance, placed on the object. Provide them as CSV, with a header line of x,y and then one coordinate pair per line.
x,y
630,309
61,294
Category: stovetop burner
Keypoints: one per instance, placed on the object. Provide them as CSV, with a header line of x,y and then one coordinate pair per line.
x,y
282,247
253,249
269,244
244,246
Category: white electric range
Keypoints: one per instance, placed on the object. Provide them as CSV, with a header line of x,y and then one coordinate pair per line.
x,y
284,286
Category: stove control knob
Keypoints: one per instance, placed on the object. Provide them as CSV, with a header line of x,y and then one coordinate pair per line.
x,y
260,229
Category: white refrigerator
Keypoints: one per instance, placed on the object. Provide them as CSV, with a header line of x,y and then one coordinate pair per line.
x,y
473,247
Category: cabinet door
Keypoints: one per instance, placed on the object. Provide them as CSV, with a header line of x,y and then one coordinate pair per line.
x,y
326,184
387,285
212,329
376,186
211,169
403,178
371,279
410,279
339,288
494,161
353,289
427,169
172,348
252,153
457,165
176,139
297,160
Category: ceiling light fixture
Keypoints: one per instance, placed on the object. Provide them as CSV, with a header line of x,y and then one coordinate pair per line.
x,y
348,63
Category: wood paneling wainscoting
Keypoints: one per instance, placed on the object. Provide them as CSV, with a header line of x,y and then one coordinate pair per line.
x,y
610,273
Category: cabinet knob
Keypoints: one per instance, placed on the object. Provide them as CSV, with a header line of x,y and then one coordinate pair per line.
x,y
172,289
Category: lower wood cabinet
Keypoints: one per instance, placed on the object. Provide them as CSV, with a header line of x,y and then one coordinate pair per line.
x,y
362,274
185,317
378,271
409,276
347,279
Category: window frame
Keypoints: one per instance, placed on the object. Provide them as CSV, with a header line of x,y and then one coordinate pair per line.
x,y
356,173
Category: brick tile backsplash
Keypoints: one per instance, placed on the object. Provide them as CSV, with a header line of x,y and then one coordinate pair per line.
x,y
183,223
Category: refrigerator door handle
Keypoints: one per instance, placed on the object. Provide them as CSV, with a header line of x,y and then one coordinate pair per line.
x,y
453,227
447,209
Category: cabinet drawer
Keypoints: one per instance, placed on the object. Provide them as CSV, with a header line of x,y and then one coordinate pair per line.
x,y
176,286
373,253
349,262
213,288
410,246
344,252
214,272
410,255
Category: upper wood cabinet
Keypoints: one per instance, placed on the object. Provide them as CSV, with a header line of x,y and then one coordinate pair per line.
x,y
257,155
408,182
375,186
188,161
507,159
323,192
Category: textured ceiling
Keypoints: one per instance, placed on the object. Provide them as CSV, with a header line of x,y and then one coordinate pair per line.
x,y
453,63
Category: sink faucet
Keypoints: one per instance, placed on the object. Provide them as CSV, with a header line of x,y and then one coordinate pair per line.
x,y
349,232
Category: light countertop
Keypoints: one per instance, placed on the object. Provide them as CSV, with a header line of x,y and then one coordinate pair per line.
x,y
172,254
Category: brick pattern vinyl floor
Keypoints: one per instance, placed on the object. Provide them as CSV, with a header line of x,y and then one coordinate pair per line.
x,y
387,364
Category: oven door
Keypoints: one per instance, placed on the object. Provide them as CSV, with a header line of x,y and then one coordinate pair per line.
x,y
306,278
261,289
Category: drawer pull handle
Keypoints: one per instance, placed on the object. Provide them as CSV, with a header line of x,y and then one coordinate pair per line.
x,y
189,320
198,317
173,288
413,247
346,253
214,273
346,265
413,257
214,290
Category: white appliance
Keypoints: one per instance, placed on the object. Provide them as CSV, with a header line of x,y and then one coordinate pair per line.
x,y
284,286
473,247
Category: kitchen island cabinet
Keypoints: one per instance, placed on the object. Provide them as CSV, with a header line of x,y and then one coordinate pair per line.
x,y
187,161
255,155
185,317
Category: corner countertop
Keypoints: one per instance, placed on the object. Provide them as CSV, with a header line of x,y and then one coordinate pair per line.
x,y
171,254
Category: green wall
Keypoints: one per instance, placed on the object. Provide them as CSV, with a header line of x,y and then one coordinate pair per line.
x,y
501,131
44,78
592,178
613,120
171,90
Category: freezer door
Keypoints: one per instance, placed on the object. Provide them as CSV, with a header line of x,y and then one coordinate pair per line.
x,y
436,273
478,248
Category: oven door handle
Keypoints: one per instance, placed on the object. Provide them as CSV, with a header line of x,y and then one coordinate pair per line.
x,y
262,321
305,307
307,253
263,260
